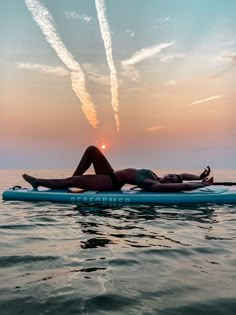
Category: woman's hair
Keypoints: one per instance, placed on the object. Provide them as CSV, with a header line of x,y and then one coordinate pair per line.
x,y
179,178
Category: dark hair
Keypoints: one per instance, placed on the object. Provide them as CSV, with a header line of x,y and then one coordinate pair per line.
x,y
179,178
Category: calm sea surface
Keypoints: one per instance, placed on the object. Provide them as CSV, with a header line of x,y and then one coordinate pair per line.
x,y
67,259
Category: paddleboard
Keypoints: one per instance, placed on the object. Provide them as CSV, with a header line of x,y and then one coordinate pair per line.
x,y
210,194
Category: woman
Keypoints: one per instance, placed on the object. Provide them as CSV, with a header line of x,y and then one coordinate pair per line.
x,y
107,179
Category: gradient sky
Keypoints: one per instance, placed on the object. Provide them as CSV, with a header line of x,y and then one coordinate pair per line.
x,y
152,80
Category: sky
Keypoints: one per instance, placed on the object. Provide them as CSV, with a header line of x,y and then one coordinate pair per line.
x,y
153,81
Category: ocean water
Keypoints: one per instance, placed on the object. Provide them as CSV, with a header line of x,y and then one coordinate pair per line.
x,y
68,259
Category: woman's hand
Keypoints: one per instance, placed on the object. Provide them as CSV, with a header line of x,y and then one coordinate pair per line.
x,y
205,173
204,182
208,181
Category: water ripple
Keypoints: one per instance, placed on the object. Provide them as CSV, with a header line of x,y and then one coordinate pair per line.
x,y
7,261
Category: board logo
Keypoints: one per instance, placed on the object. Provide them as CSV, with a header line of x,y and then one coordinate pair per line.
x,y
101,200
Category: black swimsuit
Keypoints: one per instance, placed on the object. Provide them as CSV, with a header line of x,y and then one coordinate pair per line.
x,y
116,183
143,174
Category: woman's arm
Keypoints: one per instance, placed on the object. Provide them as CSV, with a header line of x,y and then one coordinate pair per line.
x,y
204,174
154,186
175,187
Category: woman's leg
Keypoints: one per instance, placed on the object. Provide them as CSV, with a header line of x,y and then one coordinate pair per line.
x,y
93,155
49,183
89,182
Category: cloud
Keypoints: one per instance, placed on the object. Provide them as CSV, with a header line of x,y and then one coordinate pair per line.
x,y
74,15
47,25
106,36
131,33
170,82
131,72
169,57
231,43
164,24
207,99
163,19
58,71
154,128
136,89
94,75
228,59
139,56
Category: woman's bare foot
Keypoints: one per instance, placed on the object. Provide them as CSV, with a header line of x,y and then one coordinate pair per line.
x,y
31,180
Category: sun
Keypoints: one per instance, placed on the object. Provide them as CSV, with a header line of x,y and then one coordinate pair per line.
x,y
103,146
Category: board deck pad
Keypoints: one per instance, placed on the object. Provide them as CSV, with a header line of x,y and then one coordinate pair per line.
x,y
220,195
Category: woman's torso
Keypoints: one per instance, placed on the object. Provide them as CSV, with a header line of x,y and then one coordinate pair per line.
x,y
129,175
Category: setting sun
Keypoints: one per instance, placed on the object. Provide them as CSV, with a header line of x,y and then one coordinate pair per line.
x,y
103,147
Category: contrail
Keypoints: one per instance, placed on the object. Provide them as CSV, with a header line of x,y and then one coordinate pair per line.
x,y
139,56
207,99
47,25
105,31
145,53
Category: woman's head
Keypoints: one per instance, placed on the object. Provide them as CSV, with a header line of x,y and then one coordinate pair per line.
x,y
171,178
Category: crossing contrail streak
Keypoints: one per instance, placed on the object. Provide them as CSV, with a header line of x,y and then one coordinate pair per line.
x,y
142,55
206,99
145,53
106,36
47,25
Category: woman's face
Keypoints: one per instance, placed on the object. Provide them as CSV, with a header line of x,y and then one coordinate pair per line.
x,y
170,178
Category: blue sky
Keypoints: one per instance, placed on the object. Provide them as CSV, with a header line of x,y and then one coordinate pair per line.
x,y
152,80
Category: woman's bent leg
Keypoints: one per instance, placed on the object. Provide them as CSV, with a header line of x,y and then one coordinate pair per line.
x,y
99,182
93,155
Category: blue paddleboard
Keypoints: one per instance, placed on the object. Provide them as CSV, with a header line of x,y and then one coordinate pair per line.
x,y
210,194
